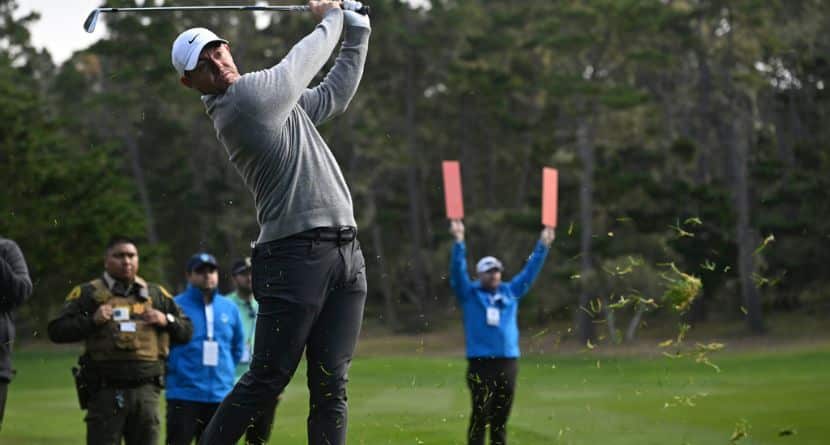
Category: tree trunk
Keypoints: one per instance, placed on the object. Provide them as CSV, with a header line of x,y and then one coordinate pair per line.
x,y
584,322
704,121
783,139
746,236
611,321
419,275
634,324
390,314
126,133
737,139
467,153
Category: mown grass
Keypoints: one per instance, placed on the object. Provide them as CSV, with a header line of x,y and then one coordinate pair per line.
x,y
780,396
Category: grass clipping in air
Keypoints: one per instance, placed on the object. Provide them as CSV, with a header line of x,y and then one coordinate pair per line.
x,y
681,289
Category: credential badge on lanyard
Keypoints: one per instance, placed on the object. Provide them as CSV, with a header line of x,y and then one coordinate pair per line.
x,y
210,348
493,314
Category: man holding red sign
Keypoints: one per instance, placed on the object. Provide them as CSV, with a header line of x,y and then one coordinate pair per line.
x,y
491,331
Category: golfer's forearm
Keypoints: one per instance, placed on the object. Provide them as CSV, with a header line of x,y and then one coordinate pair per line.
x,y
333,95
345,76
289,79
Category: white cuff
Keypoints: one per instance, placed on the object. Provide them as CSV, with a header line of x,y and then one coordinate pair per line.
x,y
353,18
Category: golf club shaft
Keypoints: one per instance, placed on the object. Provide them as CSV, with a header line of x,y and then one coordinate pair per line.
x,y
92,20
284,8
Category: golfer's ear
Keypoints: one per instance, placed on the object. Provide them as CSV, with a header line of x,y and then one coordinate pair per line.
x,y
186,82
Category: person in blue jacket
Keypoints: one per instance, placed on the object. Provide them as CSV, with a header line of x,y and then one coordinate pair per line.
x,y
202,372
491,331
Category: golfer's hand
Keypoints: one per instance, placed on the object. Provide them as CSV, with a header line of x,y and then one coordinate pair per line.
x,y
457,229
547,236
156,317
103,314
320,7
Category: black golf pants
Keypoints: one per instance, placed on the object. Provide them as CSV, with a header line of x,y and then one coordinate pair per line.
x,y
492,383
311,294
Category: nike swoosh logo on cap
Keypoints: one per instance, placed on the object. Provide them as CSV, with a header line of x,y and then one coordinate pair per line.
x,y
191,40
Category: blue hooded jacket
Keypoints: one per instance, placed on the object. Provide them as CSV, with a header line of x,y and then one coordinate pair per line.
x,y
187,378
483,340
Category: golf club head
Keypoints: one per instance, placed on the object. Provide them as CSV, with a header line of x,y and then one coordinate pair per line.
x,y
92,20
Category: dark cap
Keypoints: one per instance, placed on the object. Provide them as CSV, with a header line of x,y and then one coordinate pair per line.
x,y
241,265
200,259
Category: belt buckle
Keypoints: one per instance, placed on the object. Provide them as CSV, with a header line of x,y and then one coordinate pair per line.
x,y
343,232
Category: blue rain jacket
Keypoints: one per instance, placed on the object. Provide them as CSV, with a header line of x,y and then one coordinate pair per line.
x,y
483,340
187,377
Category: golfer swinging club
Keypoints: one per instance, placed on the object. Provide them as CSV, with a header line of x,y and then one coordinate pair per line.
x,y
308,269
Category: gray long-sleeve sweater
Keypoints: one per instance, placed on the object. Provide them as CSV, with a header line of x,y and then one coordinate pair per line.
x,y
267,122
15,288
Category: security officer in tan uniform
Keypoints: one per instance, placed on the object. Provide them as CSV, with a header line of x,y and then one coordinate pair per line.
x,y
127,325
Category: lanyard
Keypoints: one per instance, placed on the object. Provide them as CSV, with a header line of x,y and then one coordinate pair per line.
x,y
493,299
209,320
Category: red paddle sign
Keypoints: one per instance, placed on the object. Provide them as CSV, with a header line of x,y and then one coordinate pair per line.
x,y
452,190
550,196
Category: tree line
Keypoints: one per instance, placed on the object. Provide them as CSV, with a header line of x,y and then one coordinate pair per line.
x,y
686,132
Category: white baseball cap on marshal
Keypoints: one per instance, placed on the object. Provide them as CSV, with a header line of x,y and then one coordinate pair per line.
x,y
188,45
488,263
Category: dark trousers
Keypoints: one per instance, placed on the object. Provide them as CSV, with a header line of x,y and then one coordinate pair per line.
x,y
131,413
259,432
311,295
186,420
492,383
4,391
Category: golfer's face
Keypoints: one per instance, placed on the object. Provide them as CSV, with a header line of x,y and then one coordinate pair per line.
x,y
215,71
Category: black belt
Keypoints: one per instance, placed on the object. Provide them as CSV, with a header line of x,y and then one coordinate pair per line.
x,y
340,235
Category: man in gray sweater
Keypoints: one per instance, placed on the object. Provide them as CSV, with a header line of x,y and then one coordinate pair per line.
x,y
308,269
15,288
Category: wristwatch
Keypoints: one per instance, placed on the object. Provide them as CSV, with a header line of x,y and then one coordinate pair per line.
x,y
171,318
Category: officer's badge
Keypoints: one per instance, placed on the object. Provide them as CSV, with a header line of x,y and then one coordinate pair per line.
x,y
225,319
138,308
74,294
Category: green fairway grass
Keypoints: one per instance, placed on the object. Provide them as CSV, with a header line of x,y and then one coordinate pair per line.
x,y
782,397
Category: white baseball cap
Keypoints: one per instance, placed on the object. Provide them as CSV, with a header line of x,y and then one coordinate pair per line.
x,y
488,263
188,45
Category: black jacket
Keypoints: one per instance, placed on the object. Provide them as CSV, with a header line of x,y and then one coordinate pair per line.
x,y
15,288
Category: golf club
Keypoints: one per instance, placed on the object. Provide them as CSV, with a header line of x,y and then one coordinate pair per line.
x,y
92,20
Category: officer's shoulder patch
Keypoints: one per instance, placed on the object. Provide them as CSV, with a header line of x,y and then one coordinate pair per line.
x,y
74,294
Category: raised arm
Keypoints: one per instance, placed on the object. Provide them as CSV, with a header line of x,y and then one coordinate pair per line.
x,y
333,95
15,284
521,283
459,279
272,93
